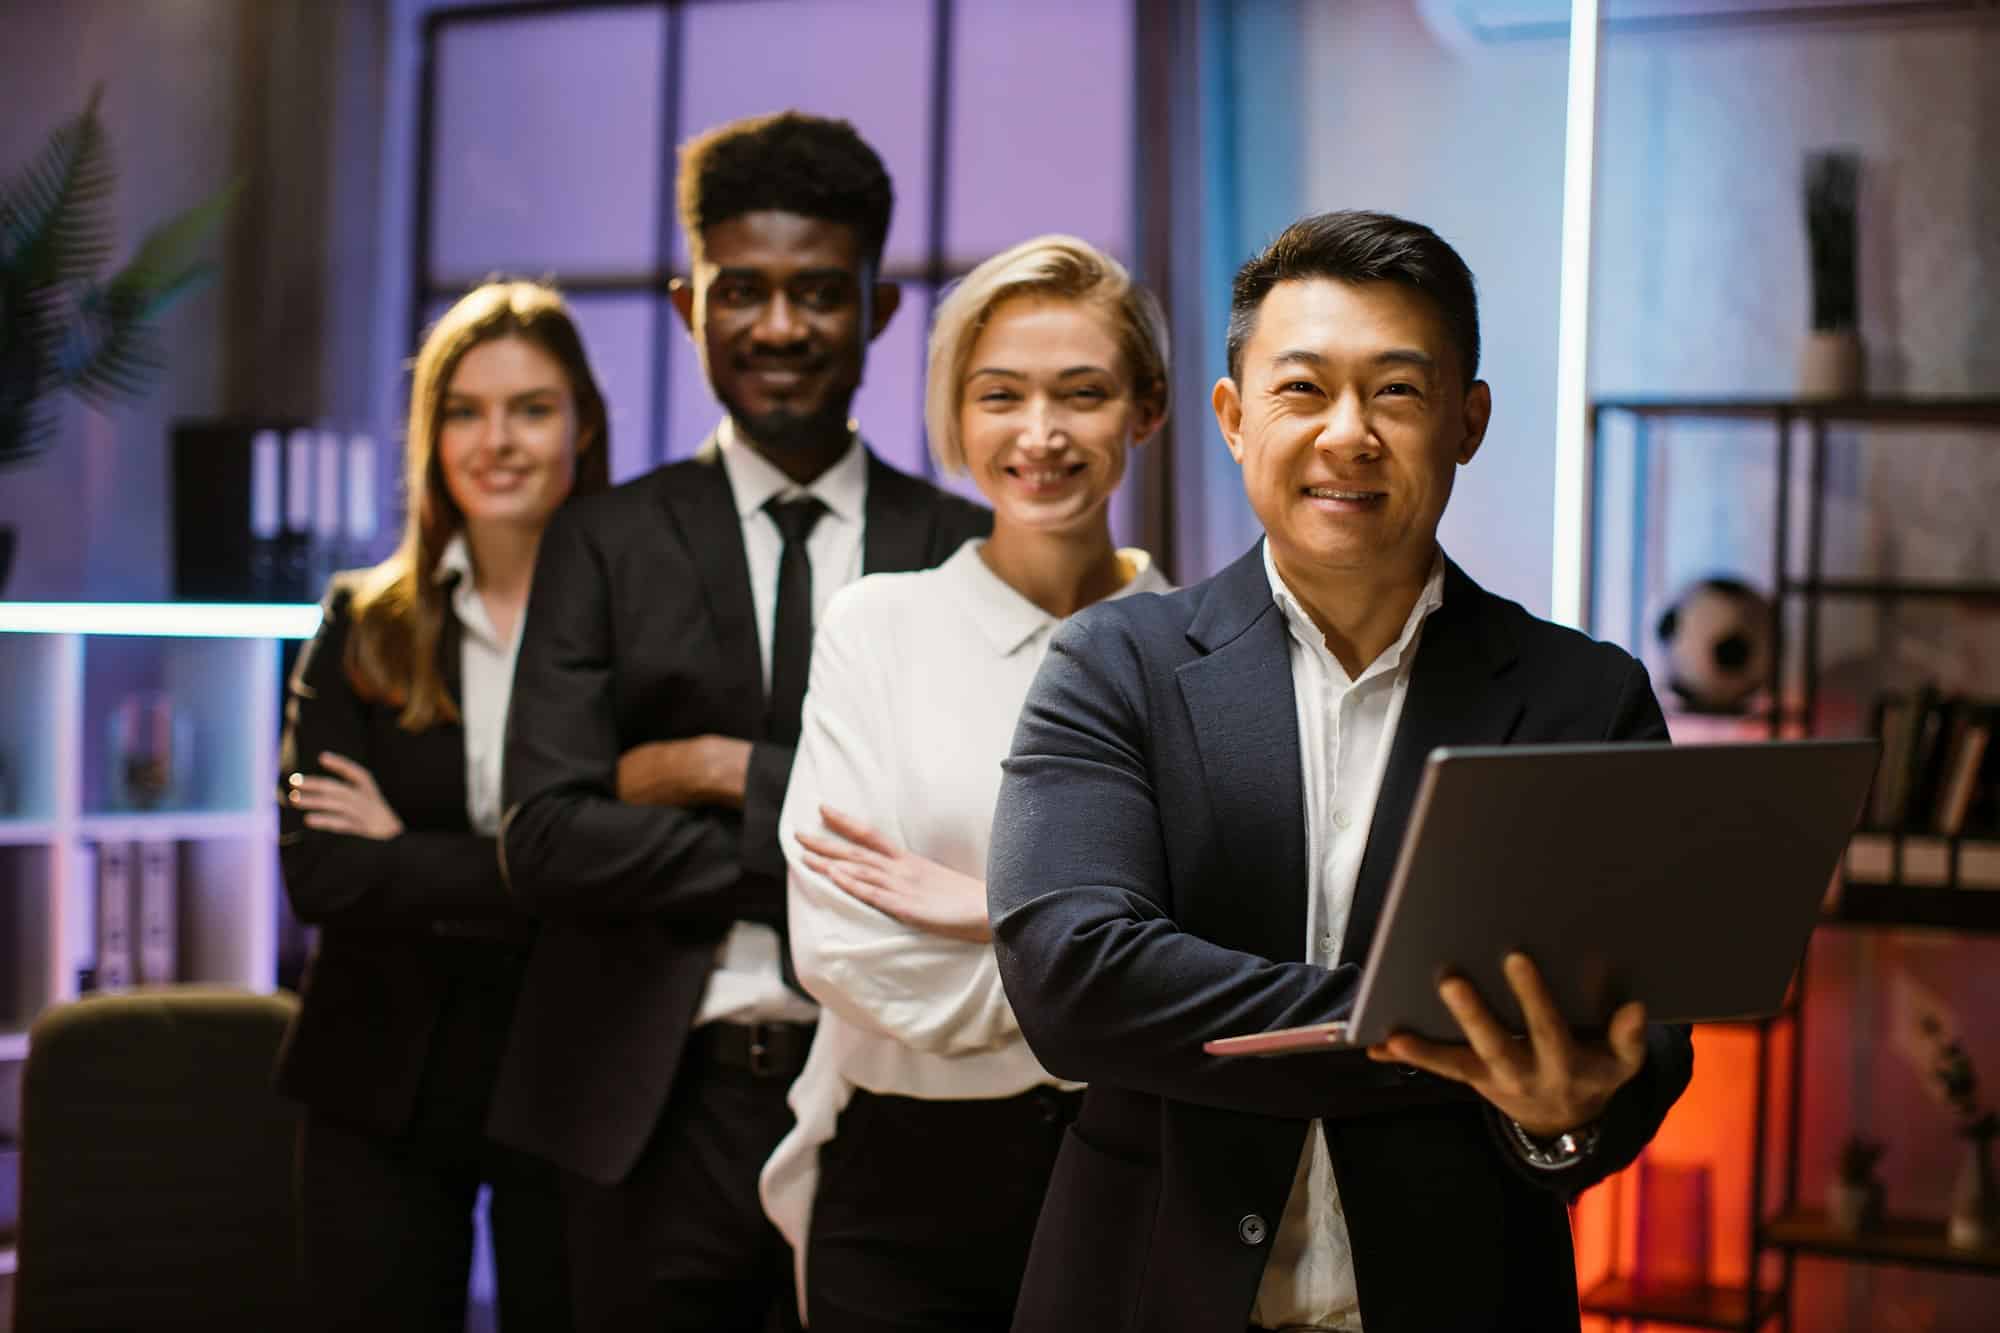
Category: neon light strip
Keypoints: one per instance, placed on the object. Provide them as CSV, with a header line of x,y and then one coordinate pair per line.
x,y
176,620
1573,322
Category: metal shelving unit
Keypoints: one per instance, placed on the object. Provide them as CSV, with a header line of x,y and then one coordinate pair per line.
x,y
1892,881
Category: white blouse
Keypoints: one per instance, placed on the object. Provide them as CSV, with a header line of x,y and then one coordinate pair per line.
x,y
917,680
486,679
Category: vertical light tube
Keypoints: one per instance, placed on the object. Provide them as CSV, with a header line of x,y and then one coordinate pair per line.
x,y
1572,534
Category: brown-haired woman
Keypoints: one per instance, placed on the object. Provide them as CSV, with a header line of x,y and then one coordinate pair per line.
x,y
391,758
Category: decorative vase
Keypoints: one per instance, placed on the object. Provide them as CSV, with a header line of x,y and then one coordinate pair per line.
x,y
1853,1206
1975,1200
1673,1225
151,752
1830,364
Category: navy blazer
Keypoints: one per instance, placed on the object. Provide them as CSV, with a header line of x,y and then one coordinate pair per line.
x,y
1148,887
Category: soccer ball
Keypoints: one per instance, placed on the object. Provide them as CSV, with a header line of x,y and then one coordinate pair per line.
x,y
1717,635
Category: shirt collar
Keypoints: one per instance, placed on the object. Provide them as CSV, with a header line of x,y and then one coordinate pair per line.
x,y
842,488
1308,633
455,561
1010,621
455,566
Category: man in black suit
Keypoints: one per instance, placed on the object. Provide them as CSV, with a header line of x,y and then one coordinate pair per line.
x,y
1204,802
656,704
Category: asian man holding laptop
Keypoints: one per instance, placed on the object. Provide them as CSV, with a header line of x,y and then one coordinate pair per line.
x,y
1196,835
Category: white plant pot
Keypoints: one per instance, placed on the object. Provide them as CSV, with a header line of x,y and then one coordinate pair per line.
x,y
1975,1200
1831,364
1851,1207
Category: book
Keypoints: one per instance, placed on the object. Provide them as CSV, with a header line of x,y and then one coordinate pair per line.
x,y
1962,769
80,926
1941,727
116,962
1894,722
1982,798
1925,862
158,928
1920,733
10,1186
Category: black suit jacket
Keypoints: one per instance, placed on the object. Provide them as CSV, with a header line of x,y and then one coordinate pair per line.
x,y
641,627
397,916
1148,881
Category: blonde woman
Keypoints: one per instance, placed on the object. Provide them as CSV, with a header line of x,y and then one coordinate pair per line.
x,y
926,1130
392,750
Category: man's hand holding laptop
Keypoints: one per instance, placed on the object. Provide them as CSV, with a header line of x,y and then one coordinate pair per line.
x,y
1548,1082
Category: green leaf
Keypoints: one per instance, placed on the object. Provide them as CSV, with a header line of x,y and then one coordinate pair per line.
x,y
55,219
166,264
61,327
41,323
25,434
103,359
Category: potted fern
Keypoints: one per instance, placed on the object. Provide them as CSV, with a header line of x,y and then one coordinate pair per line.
x,y
1975,1199
64,326
1854,1196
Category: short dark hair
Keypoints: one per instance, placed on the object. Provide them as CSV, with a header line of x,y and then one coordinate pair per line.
x,y
1355,246
789,162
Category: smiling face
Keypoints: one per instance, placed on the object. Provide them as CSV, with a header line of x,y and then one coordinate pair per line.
x,y
782,308
1350,420
1047,410
507,433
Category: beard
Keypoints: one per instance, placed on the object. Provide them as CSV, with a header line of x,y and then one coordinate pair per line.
x,y
784,431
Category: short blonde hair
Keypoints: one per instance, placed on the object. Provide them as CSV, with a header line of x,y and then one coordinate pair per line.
x,y
1061,267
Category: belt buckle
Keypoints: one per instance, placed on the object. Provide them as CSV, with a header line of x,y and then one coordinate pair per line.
x,y
761,1064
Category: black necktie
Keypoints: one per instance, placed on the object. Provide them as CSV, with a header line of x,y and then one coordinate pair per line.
x,y
792,627
791,651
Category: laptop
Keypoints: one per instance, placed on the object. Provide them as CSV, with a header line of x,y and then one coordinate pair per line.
x,y
1687,877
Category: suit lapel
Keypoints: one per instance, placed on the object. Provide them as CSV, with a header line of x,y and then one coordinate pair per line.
x,y
701,503
450,652
448,763
1240,700
896,530
1458,696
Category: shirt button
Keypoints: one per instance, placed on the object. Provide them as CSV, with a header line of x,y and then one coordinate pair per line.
x,y
1250,1230
1341,820
1326,942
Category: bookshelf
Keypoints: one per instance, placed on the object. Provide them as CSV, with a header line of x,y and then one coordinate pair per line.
x,y
1895,879
1681,1305
69,667
1904,1241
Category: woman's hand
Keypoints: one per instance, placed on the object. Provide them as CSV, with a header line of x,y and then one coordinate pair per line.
x,y
918,892
347,802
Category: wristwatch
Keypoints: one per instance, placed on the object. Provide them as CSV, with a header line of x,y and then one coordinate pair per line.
x,y
1564,1150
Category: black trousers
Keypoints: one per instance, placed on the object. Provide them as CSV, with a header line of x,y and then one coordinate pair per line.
x,y
386,1230
682,1245
925,1210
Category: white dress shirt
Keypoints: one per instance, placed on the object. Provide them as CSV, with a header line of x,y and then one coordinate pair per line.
x,y
1347,727
917,680
486,678
747,985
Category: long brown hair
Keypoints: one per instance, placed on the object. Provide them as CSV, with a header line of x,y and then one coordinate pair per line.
x,y
398,606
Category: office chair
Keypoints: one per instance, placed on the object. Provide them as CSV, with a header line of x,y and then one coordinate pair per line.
x,y
156,1166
